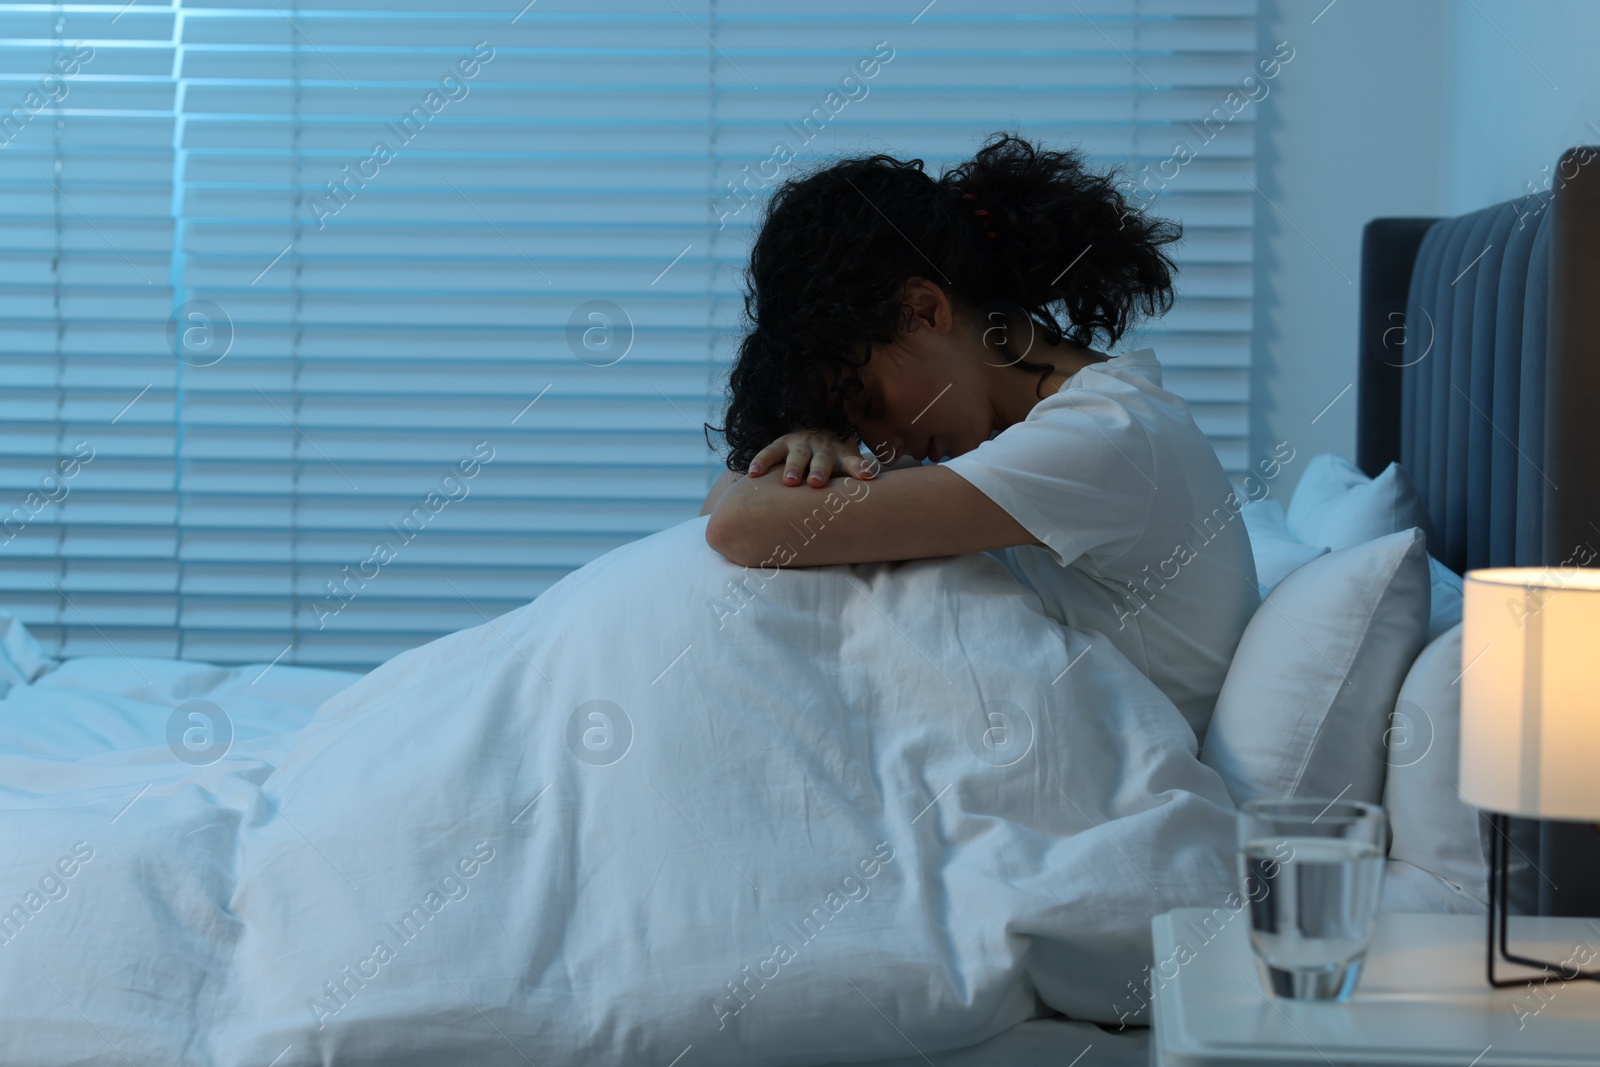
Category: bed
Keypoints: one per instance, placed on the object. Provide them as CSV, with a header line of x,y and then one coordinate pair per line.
x,y
1480,374
202,862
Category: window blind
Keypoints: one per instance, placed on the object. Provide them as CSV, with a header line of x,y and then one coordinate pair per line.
x,y
88,517
382,317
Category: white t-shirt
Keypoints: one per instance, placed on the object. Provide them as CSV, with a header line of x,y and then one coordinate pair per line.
x,y
1141,534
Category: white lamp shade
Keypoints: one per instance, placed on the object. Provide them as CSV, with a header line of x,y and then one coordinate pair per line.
x,y
1530,692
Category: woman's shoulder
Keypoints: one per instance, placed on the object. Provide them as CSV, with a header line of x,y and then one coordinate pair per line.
x,y
1140,364
1127,380
1124,398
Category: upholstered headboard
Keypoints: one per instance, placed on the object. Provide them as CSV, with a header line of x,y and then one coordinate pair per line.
x,y
1480,370
1480,373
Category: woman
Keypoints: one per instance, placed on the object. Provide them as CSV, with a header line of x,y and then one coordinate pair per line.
x,y
922,317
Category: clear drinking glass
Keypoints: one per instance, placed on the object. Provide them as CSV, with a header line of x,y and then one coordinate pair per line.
x,y
1313,874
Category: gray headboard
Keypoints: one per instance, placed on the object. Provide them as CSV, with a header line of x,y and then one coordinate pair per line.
x,y
1480,374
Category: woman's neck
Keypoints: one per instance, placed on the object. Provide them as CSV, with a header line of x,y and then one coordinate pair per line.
x,y
1068,363
1021,390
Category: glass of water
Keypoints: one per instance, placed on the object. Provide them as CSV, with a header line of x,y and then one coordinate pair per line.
x,y
1313,875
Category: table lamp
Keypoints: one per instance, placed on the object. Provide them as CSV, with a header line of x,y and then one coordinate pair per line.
x,y
1530,716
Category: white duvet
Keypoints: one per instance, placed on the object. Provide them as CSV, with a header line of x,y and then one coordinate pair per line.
x,y
671,808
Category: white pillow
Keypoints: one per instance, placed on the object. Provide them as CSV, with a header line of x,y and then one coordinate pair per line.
x,y
1276,552
1407,887
1444,587
1333,641
1431,827
1336,506
22,659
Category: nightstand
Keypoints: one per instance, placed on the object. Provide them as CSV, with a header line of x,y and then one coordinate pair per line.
x,y
1422,1001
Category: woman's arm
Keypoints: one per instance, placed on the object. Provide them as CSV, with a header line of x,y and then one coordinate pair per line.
x,y
909,513
798,452
718,487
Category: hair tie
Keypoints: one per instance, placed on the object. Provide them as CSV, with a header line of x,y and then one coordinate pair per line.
x,y
980,213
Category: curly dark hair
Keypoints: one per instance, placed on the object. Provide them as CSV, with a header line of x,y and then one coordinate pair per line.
x,y
836,247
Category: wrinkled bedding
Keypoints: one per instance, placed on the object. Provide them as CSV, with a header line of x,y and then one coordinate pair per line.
x,y
671,808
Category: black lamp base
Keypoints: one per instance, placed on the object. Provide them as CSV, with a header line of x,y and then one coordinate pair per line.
x,y
1499,863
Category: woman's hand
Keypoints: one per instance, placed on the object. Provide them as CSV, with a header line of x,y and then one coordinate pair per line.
x,y
819,453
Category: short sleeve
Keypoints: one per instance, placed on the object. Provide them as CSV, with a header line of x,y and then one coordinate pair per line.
x,y
1077,473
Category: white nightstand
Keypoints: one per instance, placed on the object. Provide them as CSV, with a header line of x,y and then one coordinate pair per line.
x,y
1422,1001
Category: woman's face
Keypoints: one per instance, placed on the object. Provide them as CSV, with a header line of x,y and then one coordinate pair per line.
x,y
928,394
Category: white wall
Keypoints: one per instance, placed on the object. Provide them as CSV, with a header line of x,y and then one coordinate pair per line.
x,y
1351,131
1391,107
1522,84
